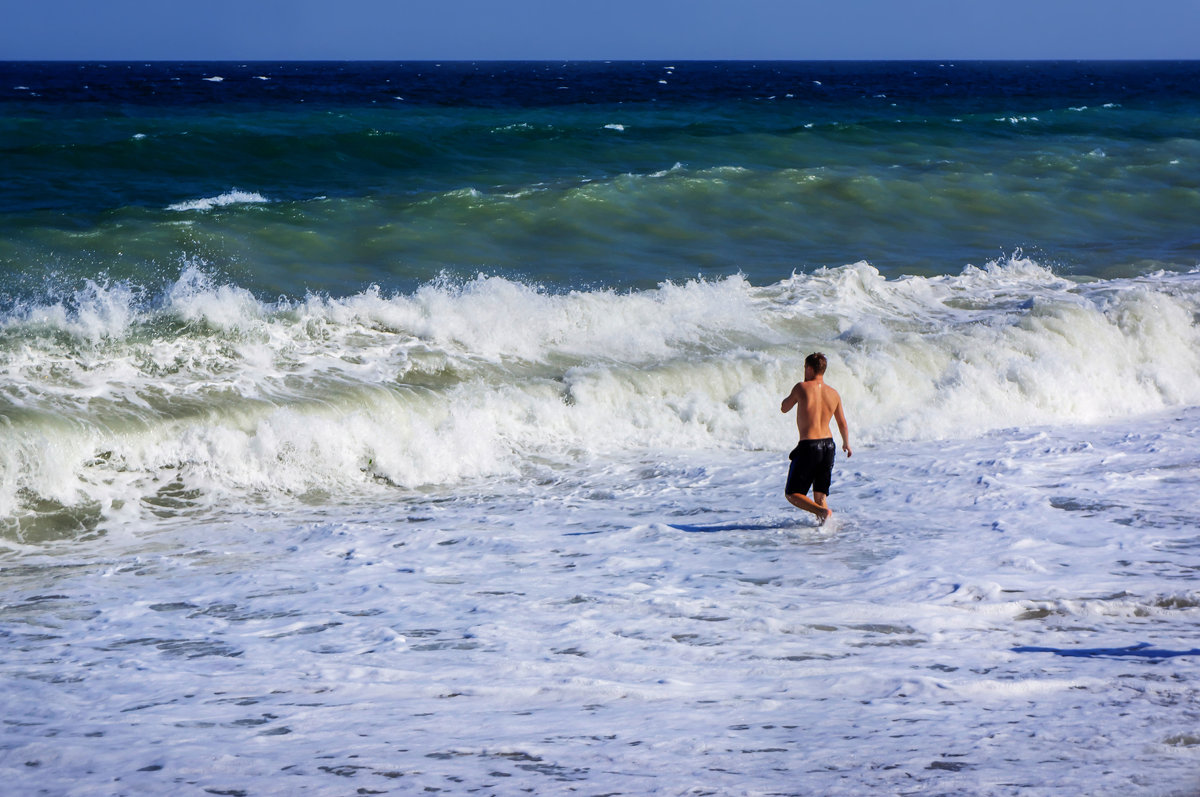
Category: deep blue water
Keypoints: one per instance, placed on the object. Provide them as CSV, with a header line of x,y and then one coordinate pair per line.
x,y
541,84
329,177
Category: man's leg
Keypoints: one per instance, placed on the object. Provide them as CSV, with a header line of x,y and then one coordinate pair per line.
x,y
820,500
802,501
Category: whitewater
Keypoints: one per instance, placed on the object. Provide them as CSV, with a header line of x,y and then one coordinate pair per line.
x,y
487,537
203,387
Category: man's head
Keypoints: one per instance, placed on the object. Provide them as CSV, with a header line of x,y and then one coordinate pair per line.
x,y
816,362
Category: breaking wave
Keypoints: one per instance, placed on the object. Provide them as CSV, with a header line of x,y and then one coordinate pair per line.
x,y
125,399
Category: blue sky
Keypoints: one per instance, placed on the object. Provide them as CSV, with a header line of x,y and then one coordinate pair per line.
x,y
598,29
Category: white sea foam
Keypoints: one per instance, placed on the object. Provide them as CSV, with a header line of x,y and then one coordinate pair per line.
x,y
640,624
458,381
312,528
233,197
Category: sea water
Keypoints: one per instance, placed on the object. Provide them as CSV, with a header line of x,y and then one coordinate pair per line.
x,y
405,428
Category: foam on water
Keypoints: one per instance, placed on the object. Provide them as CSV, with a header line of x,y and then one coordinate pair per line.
x,y
653,624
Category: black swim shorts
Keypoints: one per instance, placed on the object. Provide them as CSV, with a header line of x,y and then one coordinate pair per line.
x,y
812,466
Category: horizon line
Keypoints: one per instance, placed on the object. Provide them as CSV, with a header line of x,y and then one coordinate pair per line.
x,y
941,61
127,60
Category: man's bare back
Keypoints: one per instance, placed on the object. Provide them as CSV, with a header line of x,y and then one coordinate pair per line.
x,y
816,404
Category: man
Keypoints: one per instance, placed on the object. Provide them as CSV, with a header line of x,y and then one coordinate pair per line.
x,y
812,460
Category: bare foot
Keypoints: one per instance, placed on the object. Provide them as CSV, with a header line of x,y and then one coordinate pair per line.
x,y
825,517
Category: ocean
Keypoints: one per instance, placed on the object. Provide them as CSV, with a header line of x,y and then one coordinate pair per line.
x,y
397,428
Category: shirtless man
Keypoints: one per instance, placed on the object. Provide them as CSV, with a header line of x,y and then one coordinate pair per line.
x,y
812,460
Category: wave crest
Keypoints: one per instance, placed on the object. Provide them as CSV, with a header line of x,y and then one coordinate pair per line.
x,y
232,197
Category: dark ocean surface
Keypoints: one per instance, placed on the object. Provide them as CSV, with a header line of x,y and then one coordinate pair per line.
x,y
301,177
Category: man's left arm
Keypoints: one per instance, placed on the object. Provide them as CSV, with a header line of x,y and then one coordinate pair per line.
x,y
843,427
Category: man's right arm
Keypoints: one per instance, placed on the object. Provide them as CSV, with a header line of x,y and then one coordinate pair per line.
x,y
791,399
